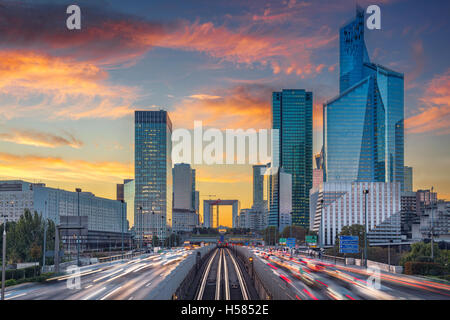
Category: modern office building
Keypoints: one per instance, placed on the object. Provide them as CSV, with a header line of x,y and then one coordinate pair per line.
x,y
408,179
280,199
363,125
339,204
185,214
153,172
128,195
409,214
119,192
292,116
106,218
258,183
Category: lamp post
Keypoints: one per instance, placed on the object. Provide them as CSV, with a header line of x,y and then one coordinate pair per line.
x,y
122,204
45,235
78,190
365,192
4,258
321,224
142,231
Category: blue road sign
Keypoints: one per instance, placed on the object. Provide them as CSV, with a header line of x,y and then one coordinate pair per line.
x,y
222,238
348,244
290,242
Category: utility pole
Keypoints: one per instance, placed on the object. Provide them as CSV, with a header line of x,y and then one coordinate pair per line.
x,y
4,258
366,192
122,204
56,249
79,221
45,235
432,224
142,230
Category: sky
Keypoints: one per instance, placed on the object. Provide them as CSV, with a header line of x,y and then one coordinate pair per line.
x,y
67,97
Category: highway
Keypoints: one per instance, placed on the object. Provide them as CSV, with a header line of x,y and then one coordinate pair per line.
x,y
223,278
312,279
128,280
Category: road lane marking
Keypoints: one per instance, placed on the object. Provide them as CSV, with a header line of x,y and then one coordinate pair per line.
x,y
94,294
112,292
16,296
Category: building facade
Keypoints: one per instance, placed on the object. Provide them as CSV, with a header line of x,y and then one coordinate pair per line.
x,y
339,204
128,195
185,202
364,124
153,172
408,179
106,218
292,116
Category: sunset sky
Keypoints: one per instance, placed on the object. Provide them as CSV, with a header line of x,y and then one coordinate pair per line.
x,y
67,97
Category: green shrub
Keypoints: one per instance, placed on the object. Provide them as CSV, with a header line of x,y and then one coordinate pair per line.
x,y
424,268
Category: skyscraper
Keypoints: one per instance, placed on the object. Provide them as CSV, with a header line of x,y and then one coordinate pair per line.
x,y
363,125
153,172
185,216
408,179
292,116
258,184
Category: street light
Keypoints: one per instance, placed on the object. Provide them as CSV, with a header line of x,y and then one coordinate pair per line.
x,y
78,190
122,223
45,235
4,257
365,192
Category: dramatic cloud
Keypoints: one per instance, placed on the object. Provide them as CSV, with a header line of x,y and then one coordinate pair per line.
x,y
109,38
434,115
35,84
59,169
242,106
40,139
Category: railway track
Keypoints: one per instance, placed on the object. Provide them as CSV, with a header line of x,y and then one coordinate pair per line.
x,y
223,278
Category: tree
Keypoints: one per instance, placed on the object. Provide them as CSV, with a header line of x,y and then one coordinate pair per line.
x,y
35,253
155,241
172,240
271,235
26,232
296,232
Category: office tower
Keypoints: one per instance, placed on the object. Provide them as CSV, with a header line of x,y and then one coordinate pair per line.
x,y
344,205
185,217
280,199
292,116
363,125
128,195
182,186
258,184
153,172
119,192
408,179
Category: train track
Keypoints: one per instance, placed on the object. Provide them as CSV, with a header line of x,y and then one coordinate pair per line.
x,y
223,278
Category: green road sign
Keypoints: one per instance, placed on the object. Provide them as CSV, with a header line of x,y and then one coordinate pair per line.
x,y
311,239
282,241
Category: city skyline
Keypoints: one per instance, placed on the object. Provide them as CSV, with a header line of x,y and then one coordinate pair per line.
x,y
74,127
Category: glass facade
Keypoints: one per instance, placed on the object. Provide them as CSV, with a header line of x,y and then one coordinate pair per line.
x,y
153,172
363,126
292,116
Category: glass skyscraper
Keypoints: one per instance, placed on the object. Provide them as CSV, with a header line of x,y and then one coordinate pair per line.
x,y
363,125
292,116
153,172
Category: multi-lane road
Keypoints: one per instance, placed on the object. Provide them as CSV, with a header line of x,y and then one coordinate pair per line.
x,y
129,280
224,277
309,278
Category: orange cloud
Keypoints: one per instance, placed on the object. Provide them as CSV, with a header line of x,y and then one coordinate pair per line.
x,y
29,167
40,139
283,52
58,87
434,116
242,106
